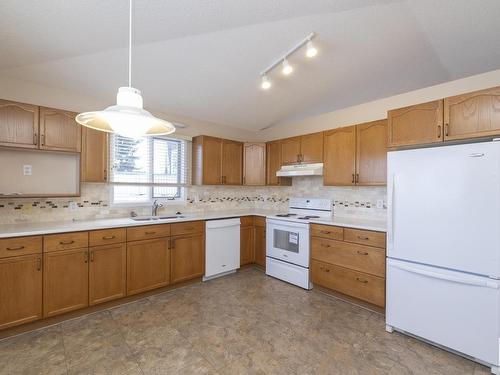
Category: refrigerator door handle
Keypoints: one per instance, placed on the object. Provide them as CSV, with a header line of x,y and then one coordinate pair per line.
x,y
455,279
390,229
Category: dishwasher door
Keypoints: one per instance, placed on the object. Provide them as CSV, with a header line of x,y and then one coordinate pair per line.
x,y
222,246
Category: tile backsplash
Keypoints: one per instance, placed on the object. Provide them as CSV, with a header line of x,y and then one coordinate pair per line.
x,y
94,202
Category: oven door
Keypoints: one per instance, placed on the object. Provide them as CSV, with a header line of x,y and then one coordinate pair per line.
x,y
288,241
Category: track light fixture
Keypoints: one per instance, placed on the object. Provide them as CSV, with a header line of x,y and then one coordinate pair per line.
x,y
287,68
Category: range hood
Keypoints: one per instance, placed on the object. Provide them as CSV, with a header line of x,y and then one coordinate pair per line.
x,y
314,169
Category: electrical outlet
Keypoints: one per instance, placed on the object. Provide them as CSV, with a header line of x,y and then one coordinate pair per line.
x,y
27,169
380,203
72,206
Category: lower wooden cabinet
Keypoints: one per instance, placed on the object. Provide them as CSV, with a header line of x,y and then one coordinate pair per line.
x,y
353,283
247,253
187,257
65,281
260,245
107,273
20,290
148,265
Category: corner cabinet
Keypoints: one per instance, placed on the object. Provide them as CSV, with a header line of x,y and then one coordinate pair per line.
x,y
59,130
217,161
254,164
19,124
417,124
94,159
472,115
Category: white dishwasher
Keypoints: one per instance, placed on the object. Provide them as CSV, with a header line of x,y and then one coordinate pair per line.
x,y
222,247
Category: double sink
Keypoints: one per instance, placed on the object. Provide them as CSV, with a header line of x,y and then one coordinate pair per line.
x,y
156,218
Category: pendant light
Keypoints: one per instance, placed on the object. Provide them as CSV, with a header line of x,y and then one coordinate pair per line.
x,y
127,117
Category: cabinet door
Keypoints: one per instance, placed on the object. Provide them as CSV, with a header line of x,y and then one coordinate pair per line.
x,y
476,114
212,161
188,257
65,281
247,254
59,131
94,159
148,265
19,124
107,273
417,124
20,290
232,162
290,150
340,156
311,148
273,162
260,245
371,153
254,164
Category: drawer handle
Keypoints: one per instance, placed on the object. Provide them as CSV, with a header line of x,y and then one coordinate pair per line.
x,y
190,228
108,237
152,232
324,245
362,252
66,242
363,238
324,269
15,248
362,280
325,232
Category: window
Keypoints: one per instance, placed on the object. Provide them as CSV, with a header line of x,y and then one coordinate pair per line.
x,y
148,168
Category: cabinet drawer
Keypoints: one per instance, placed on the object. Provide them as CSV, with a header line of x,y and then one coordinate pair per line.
x,y
260,221
327,231
10,247
107,236
246,221
188,228
365,237
357,257
148,231
352,283
65,241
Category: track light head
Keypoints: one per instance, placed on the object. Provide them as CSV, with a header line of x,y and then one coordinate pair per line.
x,y
287,68
266,84
311,50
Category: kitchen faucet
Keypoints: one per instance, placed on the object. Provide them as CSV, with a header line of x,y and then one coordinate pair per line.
x,y
154,208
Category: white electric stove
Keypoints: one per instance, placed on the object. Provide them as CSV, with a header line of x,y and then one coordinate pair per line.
x,y
287,241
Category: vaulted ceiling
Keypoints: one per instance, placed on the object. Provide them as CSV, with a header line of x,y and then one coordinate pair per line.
x,y
202,59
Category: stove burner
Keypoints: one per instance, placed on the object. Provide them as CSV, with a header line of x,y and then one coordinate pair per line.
x,y
308,217
286,215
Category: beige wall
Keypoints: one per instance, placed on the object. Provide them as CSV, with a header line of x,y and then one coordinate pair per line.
x,y
377,109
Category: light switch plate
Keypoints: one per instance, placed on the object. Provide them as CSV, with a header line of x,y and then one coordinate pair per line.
x,y
27,170
380,203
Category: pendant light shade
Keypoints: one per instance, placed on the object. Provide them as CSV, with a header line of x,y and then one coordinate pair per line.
x,y
128,117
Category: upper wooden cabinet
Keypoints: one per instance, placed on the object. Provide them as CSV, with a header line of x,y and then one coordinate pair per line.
x,y
254,164
476,114
217,161
94,158
59,131
290,150
417,124
311,148
340,156
304,149
273,162
18,124
232,162
371,153
356,155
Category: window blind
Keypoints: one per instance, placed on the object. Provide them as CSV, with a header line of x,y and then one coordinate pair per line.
x,y
160,162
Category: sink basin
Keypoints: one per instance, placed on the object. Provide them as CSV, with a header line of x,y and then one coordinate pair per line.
x,y
154,218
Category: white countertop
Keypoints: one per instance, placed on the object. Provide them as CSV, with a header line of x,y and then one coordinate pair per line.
x,y
31,229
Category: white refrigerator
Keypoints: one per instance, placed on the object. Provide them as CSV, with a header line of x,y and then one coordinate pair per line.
x,y
443,247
